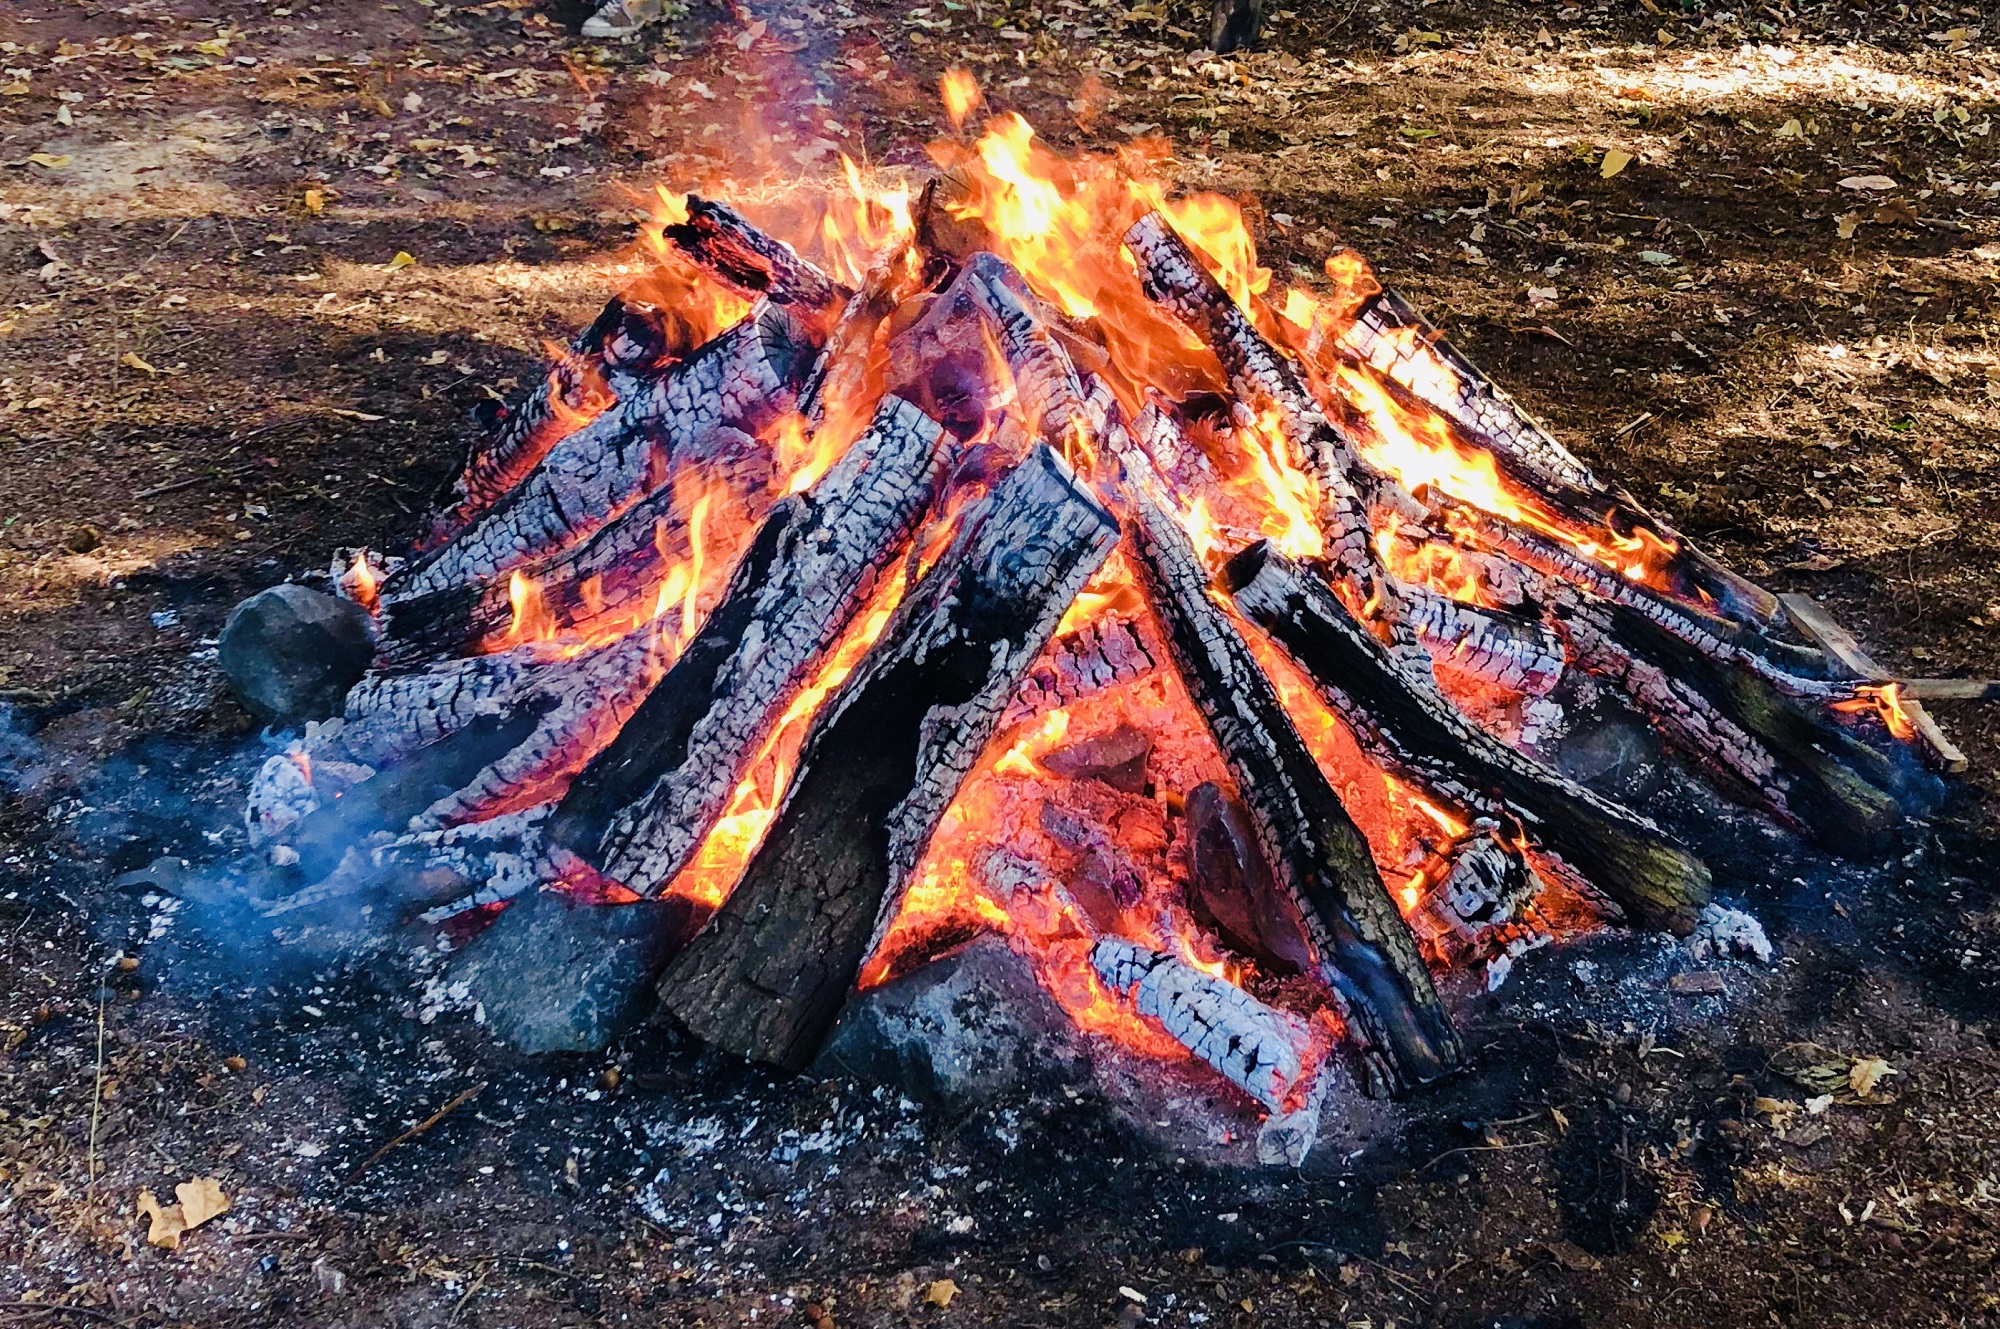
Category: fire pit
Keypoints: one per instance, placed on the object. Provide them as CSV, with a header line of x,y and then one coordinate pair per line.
x,y
1023,622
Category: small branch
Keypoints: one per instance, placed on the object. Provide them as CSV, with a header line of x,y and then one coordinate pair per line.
x,y
433,1119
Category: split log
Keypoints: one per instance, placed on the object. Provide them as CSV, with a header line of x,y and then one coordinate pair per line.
x,y
1655,882
1366,953
768,976
642,809
734,387
1488,647
497,738
1175,279
1085,662
721,242
1267,1053
614,574
1798,763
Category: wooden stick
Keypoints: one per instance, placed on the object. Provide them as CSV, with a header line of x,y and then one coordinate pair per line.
x,y
1819,627
464,1097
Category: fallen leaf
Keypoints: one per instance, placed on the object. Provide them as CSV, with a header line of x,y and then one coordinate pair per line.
x,y
941,1292
1846,223
1864,182
201,1200
1896,212
213,46
403,259
1866,1073
1790,129
1412,131
1615,160
1656,258
164,1222
132,360
15,90
48,160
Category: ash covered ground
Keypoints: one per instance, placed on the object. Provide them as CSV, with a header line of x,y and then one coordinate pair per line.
x,y
227,199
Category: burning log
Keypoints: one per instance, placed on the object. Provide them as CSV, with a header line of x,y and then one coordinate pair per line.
x,y
1483,646
733,387
1386,334
721,242
642,808
610,575
1654,881
1365,952
767,977
1800,764
1088,660
1176,280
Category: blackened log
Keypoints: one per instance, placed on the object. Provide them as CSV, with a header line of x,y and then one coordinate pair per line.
x,y
1656,882
721,242
1804,765
1497,649
734,387
642,809
614,574
1174,278
1319,857
883,759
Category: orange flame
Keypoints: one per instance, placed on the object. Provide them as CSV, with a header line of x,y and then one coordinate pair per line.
x,y
960,91
363,582
1885,701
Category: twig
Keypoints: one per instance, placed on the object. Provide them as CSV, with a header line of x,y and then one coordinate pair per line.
x,y
433,1119
97,1090
1625,429
272,1235
62,1308
1481,1149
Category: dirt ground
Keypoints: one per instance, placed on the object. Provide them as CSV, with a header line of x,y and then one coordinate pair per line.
x,y
1776,325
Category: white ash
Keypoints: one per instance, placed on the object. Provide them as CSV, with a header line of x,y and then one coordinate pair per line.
x,y
1720,932
1502,965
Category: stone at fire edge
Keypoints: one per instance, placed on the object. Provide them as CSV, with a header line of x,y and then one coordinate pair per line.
x,y
291,654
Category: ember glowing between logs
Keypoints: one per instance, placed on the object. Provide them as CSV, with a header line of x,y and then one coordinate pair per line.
x,y
1005,552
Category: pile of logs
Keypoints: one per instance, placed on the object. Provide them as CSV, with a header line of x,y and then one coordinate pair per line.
x,y
987,477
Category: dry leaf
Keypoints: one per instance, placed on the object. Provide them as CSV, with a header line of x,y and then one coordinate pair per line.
x,y
1866,1073
313,201
1846,224
165,1223
941,1292
15,90
201,1200
45,159
1867,182
1615,160
403,259
1790,129
213,46
131,360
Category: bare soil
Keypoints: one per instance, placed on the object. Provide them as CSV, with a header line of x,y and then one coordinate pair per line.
x,y
215,369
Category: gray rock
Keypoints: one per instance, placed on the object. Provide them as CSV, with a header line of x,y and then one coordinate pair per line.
x,y
966,1028
557,976
291,654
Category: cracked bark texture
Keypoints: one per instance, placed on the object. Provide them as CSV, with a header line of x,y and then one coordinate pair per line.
x,y
1656,882
642,809
723,395
1365,952
767,977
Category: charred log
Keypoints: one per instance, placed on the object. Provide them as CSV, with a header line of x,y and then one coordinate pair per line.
x,y
1655,881
1494,420
1365,952
733,387
1230,888
721,242
1084,662
641,810
768,976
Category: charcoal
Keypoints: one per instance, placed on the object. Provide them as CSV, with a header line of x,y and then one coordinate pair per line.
x,y
291,654
1230,890
1117,758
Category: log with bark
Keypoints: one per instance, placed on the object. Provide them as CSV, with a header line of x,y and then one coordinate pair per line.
x,y
696,411
1366,954
643,807
769,974
723,243
1656,882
